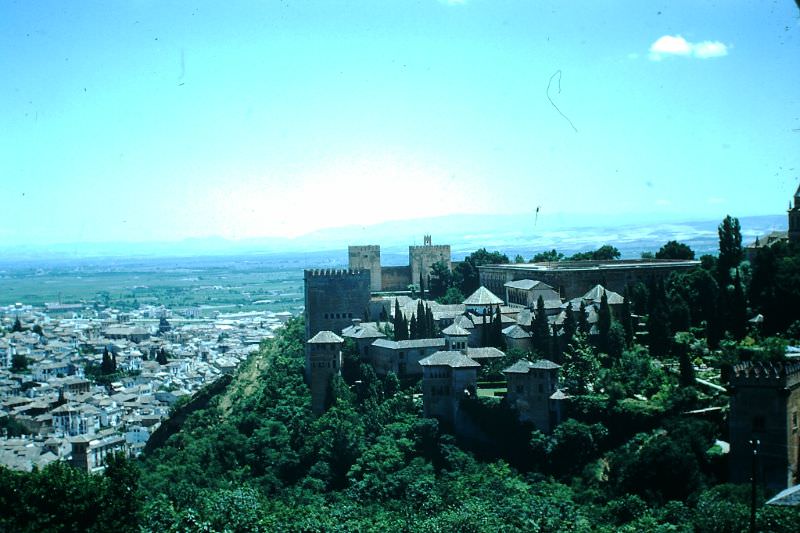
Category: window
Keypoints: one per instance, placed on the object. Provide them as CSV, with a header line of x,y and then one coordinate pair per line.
x,y
794,421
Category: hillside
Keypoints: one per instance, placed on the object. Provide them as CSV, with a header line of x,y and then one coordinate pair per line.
x,y
257,460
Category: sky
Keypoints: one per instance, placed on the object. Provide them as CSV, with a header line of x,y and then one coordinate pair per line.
x,y
153,120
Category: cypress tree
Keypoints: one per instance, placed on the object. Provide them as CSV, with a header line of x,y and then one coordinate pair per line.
x,y
556,350
422,323
431,323
413,329
541,330
570,326
730,249
583,323
497,330
738,309
603,323
627,321
397,321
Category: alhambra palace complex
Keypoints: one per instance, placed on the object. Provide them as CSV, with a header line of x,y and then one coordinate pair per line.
x,y
339,304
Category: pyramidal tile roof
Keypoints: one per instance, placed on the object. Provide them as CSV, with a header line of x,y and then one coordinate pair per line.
x,y
483,296
523,366
325,337
449,358
455,330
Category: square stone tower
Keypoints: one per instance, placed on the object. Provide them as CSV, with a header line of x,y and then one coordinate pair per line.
x,y
422,258
367,257
323,361
333,298
764,402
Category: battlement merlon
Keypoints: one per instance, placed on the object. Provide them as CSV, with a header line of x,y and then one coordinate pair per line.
x,y
778,375
333,273
441,248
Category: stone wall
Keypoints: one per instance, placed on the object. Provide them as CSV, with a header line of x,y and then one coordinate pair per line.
x,y
396,278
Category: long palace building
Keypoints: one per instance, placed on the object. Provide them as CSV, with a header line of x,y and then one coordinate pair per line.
x,y
572,278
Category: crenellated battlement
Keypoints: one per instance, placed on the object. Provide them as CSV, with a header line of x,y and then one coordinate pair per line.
x,y
766,374
333,273
436,248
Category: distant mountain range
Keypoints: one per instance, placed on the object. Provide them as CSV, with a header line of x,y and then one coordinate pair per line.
x,y
511,234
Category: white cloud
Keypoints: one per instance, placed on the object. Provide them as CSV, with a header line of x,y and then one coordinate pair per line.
x,y
676,45
708,49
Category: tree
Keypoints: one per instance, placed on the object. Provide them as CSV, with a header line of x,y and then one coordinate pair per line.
x,y
626,320
37,328
570,325
497,330
161,357
108,364
604,253
518,259
19,363
163,325
441,280
17,327
541,330
583,323
682,345
452,296
603,323
658,323
730,249
466,273
738,310
675,250
399,323
550,256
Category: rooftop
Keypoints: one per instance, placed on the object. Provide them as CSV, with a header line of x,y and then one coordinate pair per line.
x,y
451,359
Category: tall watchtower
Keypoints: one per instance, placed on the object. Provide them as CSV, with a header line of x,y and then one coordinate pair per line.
x,y
367,257
765,400
333,298
794,218
422,258
323,360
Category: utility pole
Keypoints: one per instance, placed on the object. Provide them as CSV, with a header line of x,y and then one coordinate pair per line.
x,y
754,444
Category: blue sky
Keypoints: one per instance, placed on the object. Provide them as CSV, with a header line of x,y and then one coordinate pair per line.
x,y
151,120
